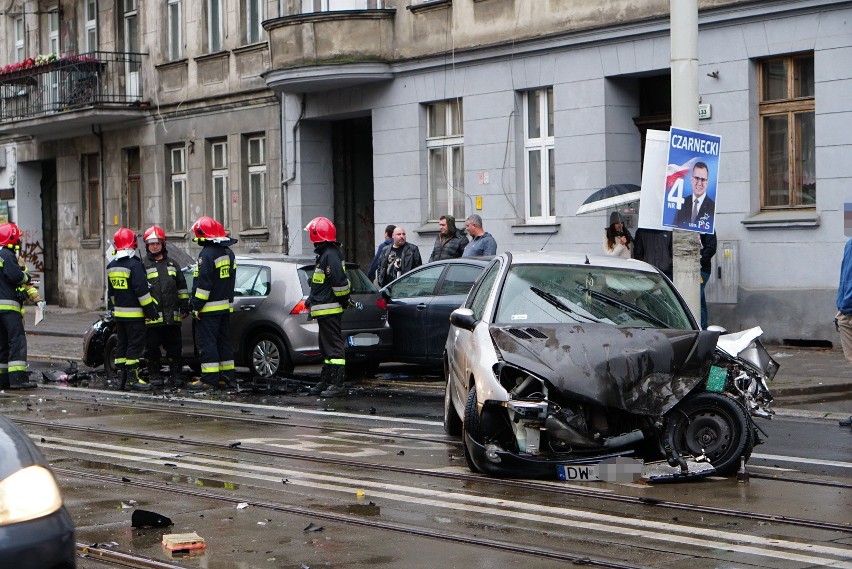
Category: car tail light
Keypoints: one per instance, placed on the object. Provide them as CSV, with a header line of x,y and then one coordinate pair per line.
x,y
300,308
382,303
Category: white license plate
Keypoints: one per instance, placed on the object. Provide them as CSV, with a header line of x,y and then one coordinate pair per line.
x,y
365,339
577,473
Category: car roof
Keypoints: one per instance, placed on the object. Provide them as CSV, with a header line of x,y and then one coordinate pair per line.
x,y
472,260
569,258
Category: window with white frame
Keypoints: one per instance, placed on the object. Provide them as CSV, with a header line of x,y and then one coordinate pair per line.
x,y
539,166
787,132
219,180
256,173
53,44
445,149
215,29
91,18
309,6
254,17
176,188
174,25
20,39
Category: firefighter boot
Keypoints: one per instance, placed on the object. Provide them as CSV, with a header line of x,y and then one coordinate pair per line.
x,y
176,374
4,380
136,382
21,380
228,379
155,377
337,388
324,382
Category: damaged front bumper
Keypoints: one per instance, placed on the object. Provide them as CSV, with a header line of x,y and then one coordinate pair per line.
x,y
614,467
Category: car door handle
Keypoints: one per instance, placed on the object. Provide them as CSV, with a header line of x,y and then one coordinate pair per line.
x,y
421,306
247,307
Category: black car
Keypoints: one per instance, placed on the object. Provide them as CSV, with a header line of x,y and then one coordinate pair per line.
x,y
419,304
36,531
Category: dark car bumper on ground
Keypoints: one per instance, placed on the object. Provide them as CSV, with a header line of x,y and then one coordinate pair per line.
x,y
43,543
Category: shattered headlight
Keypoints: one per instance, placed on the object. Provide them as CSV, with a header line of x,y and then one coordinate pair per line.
x,y
28,494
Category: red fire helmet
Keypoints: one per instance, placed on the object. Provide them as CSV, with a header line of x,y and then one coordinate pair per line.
x,y
207,228
124,239
155,234
321,229
10,235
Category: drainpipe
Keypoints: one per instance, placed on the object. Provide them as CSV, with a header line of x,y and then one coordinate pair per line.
x,y
102,177
285,182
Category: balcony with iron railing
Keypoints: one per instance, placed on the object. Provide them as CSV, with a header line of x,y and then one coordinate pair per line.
x,y
330,44
53,95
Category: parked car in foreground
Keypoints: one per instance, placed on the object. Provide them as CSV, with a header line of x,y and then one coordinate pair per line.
x,y
419,304
36,531
558,362
270,326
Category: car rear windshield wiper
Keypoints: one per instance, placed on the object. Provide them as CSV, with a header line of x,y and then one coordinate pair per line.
x,y
631,307
554,300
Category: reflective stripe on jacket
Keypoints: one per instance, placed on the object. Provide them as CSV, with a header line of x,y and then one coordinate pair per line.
x,y
215,275
330,286
129,294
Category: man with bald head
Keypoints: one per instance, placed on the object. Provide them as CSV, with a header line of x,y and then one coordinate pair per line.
x,y
397,259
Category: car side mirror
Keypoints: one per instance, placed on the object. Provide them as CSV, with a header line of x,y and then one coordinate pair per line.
x,y
463,318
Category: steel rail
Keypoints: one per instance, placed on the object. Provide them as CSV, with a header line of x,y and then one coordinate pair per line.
x,y
353,520
467,478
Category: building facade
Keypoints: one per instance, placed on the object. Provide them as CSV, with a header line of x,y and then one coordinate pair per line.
x,y
399,111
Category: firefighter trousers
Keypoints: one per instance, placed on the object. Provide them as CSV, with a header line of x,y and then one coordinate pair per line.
x,y
213,342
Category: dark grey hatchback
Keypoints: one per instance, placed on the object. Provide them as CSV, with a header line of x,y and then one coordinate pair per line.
x,y
36,531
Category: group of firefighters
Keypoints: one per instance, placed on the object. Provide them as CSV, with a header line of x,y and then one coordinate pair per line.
x,y
149,299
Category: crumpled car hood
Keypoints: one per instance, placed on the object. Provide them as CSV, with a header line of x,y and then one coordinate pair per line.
x,y
640,370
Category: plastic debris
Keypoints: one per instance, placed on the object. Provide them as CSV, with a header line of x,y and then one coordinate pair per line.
x,y
242,505
144,518
312,527
235,445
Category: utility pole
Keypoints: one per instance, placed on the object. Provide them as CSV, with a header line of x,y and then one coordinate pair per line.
x,y
686,245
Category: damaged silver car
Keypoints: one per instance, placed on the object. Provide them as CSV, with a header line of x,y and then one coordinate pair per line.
x,y
593,368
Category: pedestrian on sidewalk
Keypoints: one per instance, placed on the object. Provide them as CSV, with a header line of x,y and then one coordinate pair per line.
x,y
450,242
328,297
843,320
15,288
708,251
371,274
212,303
168,287
398,258
131,303
481,242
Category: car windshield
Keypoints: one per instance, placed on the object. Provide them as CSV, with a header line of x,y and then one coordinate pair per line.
x,y
553,294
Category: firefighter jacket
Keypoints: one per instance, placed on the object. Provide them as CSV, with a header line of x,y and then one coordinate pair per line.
x,y
214,278
168,287
12,281
329,285
129,295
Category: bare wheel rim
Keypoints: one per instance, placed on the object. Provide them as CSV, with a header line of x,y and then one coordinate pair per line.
x,y
266,358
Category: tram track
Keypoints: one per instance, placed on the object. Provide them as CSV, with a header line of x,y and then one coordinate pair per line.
x,y
406,529
528,485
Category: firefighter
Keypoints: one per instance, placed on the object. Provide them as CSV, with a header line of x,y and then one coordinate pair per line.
x,y
328,297
132,304
15,288
212,301
168,287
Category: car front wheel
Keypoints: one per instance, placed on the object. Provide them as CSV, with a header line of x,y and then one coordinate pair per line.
x,y
471,428
452,422
268,356
109,356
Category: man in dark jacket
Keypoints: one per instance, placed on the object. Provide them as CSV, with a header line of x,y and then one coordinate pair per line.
x,y
168,287
329,295
15,287
212,302
450,242
371,274
654,246
131,303
708,249
397,259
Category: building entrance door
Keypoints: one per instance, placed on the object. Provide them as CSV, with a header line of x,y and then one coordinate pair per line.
x,y
352,171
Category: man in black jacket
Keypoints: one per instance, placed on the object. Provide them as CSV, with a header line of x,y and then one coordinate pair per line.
x,y
654,246
212,302
450,242
397,259
168,287
330,290
131,303
15,287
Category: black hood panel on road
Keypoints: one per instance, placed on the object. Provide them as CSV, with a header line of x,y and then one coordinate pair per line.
x,y
639,370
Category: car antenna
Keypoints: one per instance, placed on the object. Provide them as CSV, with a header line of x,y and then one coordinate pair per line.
x,y
546,241
587,260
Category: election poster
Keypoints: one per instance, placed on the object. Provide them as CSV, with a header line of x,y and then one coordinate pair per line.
x,y
692,173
